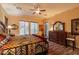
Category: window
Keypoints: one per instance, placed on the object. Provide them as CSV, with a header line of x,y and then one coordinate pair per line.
x,y
46,29
34,28
28,28
24,28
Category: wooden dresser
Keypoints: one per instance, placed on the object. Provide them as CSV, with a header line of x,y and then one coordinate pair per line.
x,y
58,37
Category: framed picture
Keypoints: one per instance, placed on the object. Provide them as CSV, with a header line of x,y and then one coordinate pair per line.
x,y
75,26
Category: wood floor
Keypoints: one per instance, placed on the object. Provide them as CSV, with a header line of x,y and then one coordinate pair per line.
x,y
56,49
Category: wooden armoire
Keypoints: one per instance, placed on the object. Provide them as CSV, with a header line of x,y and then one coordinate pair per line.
x,y
58,35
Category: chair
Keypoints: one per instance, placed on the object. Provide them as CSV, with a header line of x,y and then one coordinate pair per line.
x,y
71,38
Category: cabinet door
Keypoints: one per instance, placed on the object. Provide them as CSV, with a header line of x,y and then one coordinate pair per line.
x,y
61,37
53,36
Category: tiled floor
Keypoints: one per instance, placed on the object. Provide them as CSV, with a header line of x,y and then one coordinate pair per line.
x,y
56,49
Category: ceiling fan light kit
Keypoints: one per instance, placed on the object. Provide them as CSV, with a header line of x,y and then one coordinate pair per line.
x,y
37,9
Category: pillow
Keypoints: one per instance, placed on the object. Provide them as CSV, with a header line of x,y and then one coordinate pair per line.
x,y
2,37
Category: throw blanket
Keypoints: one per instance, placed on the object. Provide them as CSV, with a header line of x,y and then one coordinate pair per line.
x,y
4,41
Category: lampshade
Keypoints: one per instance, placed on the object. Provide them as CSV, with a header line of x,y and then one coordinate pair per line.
x,y
9,27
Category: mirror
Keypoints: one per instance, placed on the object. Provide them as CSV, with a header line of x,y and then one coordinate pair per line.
x,y
58,26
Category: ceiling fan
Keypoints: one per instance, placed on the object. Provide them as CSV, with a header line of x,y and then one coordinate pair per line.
x,y
36,9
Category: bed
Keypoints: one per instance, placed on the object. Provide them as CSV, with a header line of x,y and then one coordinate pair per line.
x,y
21,45
25,45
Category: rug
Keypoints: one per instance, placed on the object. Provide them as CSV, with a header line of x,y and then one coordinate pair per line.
x,y
57,49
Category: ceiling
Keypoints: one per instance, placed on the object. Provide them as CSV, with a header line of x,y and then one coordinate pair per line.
x,y
51,8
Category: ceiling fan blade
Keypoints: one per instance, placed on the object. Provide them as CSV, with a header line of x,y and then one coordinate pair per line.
x,y
36,6
34,13
39,13
31,9
45,14
43,10
18,8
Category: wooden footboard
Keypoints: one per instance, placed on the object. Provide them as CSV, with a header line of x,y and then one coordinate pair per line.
x,y
38,48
